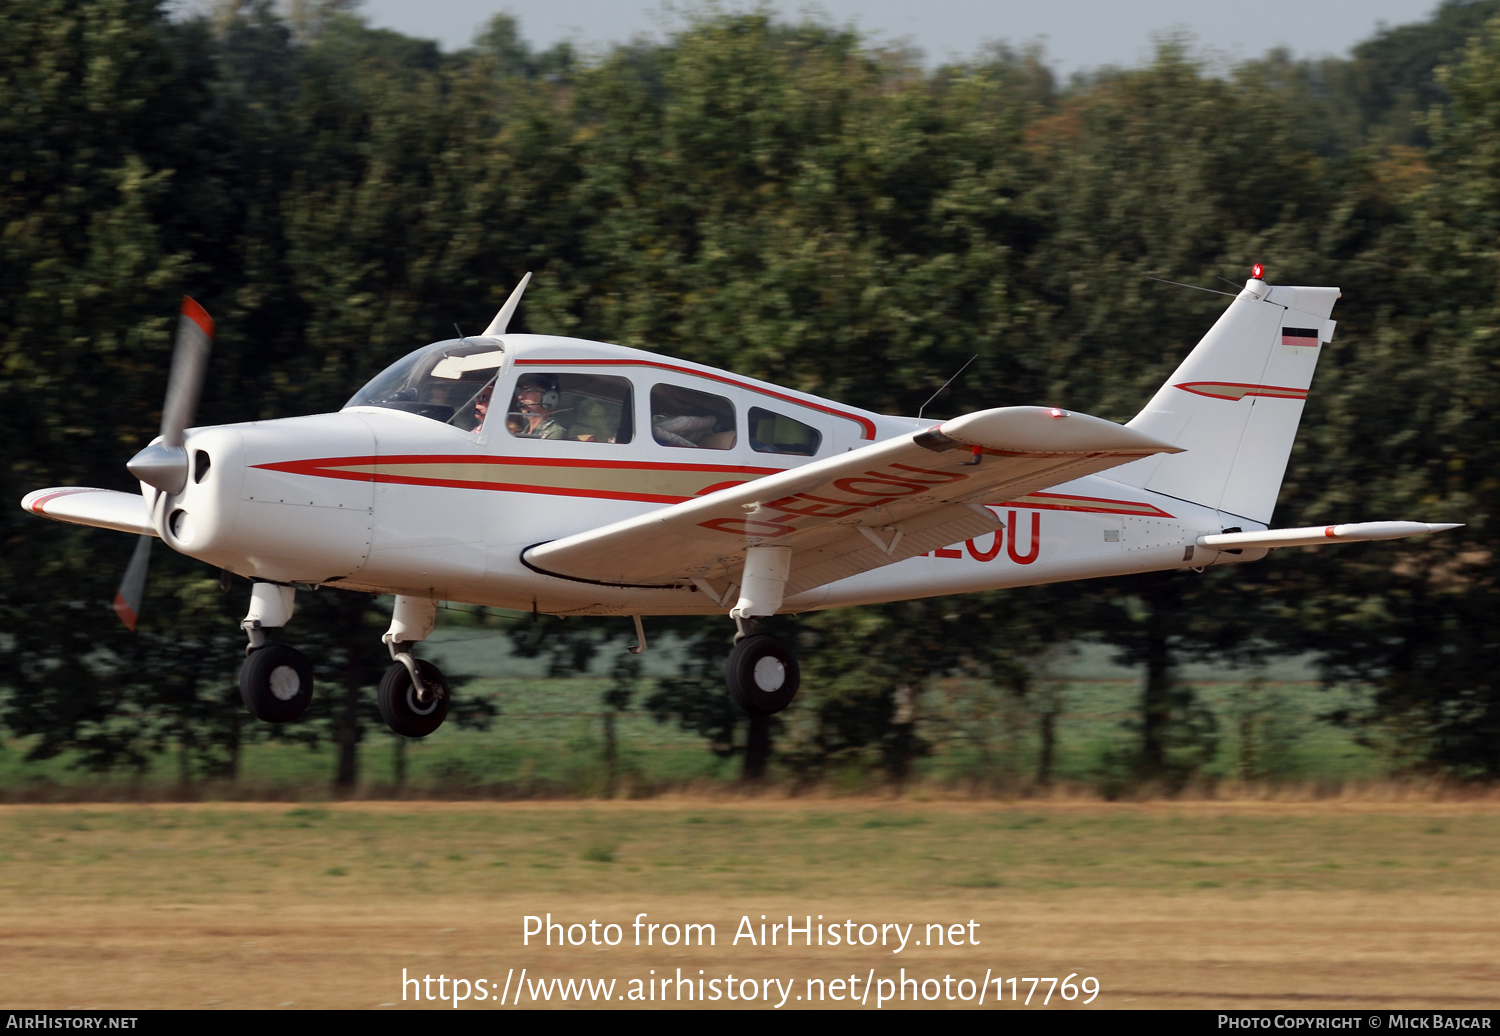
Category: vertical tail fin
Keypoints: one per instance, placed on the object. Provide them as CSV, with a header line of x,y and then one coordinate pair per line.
x,y
1234,404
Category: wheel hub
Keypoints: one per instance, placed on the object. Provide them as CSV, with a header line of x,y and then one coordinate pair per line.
x,y
769,674
417,705
285,683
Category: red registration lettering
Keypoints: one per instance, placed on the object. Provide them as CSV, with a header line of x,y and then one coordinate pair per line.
x,y
992,553
746,527
891,486
1036,538
1001,541
817,507
940,476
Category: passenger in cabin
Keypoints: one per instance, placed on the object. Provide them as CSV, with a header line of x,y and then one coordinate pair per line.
x,y
535,404
682,416
680,429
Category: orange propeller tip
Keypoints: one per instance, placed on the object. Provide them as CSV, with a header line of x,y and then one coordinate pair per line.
x,y
197,314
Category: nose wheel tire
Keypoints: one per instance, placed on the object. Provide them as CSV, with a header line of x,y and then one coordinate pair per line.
x,y
276,683
405,711
762,675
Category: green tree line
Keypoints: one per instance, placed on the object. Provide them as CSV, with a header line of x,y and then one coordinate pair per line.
x,y
789,201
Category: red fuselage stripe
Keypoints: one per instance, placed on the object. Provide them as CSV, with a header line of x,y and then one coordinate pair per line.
x,y
319,466
330,467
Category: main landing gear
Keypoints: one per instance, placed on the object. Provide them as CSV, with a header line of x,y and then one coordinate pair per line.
x,y
762,674
276,681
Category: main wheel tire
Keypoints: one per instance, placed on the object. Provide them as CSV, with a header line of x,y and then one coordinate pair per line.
x,y
762,675
276,683
398,702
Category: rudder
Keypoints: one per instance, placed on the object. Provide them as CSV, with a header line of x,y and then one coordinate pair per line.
x,y
1234,404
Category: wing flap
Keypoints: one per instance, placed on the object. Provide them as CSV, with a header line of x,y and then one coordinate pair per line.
x,y
836,513
857,552
101,508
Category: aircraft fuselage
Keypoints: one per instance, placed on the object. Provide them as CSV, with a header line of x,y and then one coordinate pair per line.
x,y
389,501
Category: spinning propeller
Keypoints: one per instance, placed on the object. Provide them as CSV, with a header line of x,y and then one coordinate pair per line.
x,y
164,463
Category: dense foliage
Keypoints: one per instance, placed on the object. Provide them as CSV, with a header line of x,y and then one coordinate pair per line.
x,y
789,202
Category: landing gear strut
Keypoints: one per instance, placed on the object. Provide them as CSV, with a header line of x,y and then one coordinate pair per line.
x,y
762,673
413,696
276,681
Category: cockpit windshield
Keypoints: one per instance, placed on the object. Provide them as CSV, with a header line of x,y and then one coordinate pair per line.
x,y
448,381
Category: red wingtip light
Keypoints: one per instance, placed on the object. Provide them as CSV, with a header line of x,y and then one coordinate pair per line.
x,y
1258,272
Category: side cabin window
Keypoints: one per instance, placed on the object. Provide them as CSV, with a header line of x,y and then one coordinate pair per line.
x,y
579,407
776,433
688,418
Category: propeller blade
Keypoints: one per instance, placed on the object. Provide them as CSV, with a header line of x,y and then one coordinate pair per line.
x,y
195,336
164,464
502,318
132,590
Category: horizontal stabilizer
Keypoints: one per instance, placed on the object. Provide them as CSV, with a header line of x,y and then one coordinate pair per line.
x,y
1318,535
101,508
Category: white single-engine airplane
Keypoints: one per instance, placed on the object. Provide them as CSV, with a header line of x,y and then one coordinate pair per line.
x,y
576,478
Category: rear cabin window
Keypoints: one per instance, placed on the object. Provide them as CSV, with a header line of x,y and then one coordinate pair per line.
x,y
776,433
688,418
578,407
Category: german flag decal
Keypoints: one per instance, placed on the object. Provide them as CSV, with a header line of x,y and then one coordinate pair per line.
x,y
1306,337
1236,391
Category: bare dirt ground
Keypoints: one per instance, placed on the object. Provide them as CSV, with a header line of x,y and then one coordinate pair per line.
x,y
1207,904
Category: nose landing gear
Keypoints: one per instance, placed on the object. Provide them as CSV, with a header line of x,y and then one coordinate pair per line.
x,y
408,710
413,696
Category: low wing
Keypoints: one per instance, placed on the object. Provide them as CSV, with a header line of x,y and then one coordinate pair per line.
x,y
103,508
863,509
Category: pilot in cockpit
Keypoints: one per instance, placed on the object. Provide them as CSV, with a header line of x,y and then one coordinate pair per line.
x,y
535,404
482,405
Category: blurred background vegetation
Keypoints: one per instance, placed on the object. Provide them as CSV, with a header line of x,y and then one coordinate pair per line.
x,y
794,203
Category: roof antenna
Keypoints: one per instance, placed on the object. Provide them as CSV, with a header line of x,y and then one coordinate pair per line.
x,y
945,384
1195,287
461,337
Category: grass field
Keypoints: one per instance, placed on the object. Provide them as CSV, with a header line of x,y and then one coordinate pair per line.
x,y
548,740
1338,903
